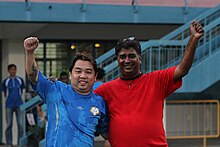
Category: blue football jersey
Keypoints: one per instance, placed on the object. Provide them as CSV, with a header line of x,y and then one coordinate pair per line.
x,y
73,118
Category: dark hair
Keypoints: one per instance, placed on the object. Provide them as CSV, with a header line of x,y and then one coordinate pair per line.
x,y
128,43
101,73
85,57
63,73
12,65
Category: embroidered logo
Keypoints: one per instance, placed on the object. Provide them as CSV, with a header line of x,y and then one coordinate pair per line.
x,y
94,111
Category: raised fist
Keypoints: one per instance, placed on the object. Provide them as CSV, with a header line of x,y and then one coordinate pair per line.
x,y
31,43
196,29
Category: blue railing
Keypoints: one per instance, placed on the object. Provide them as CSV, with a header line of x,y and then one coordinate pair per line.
x,y
205,19
160,54
181,33
27,108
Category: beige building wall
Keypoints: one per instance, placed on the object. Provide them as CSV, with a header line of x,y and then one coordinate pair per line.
x,y
12,52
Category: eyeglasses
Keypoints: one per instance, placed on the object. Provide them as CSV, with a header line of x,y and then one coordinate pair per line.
x,y
128,43
128,39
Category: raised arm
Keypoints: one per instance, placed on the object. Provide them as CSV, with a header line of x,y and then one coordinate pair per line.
x,y
183,68
30,44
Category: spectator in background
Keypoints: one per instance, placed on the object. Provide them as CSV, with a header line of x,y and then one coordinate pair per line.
x,y
100,79
64,77
13,87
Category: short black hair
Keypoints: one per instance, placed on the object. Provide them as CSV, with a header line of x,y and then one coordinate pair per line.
x,y
128,43
63,73
85,57
12,65
101,73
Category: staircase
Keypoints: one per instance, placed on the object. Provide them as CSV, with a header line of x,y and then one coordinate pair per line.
x,y
168,51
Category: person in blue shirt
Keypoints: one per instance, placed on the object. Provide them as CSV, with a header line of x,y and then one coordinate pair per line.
x,y
100,79
64,77
80,111
13,87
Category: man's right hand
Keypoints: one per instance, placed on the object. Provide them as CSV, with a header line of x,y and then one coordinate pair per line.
x,y
52,79
30,44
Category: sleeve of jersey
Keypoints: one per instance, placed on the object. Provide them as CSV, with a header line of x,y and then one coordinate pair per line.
x,y
103,126
166,80
43,87
100,90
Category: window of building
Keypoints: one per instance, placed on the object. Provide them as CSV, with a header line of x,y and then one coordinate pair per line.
x,y
52,58
55,57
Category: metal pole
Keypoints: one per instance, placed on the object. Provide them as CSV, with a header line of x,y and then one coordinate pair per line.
x,y
186,6
83,8
28,5
204,142
185,11
135,5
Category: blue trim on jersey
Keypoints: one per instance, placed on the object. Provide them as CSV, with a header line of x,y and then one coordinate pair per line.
x,y
96,85
78,115
13,87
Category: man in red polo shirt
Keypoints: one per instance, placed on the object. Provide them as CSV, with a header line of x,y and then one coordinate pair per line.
x,y
136,100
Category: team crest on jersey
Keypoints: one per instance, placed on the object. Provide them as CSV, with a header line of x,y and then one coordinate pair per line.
x,y
94,111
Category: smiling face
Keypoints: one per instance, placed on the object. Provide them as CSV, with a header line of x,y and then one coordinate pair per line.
x,y
129,62
83,76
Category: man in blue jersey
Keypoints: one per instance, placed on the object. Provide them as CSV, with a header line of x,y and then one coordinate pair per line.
x,y
64,77
13,87
80,111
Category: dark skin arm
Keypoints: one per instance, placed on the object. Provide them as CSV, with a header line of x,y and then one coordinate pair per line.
x,y
183,68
